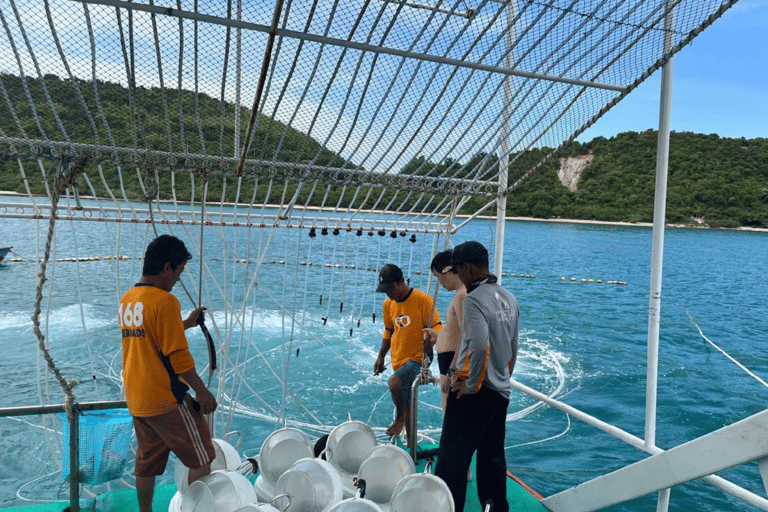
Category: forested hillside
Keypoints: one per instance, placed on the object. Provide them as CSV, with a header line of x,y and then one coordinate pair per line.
x,y
722,182
144,128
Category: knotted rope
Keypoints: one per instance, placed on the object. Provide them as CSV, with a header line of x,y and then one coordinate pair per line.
x,y
66,385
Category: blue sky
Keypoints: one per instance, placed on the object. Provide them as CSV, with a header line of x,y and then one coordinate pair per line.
x,y
719,83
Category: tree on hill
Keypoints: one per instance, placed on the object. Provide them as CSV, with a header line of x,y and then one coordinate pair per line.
x,y
723,181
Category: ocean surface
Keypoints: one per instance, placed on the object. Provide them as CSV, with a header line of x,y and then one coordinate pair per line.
x,y
582,342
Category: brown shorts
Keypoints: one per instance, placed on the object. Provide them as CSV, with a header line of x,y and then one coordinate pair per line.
x,y
182,431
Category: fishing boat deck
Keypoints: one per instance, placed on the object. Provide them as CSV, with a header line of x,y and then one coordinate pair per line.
x,y
520,499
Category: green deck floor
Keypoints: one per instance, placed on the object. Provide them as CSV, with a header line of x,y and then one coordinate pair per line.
x,y
520,500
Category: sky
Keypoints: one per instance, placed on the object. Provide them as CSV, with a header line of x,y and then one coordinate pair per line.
x,y
720,83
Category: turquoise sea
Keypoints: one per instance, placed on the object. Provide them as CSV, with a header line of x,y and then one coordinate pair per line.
x,y
582,342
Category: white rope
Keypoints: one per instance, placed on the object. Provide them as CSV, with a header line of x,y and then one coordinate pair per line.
x,y
732,359
546,439
86,333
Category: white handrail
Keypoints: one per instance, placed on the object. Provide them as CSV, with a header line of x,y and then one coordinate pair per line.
x,y
717,481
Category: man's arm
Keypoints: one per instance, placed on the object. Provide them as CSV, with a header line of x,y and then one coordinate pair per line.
x,y
204,397
379,366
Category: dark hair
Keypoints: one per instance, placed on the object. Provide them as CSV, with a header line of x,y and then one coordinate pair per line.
x,y
480,262
470,252
164,249
440,261
320,446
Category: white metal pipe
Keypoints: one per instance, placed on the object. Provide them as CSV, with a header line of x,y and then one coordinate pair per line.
x,y
659,217
477,213
717,481
763,465
504,146
663,502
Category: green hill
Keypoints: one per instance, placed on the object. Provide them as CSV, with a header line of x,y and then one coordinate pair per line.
x,y
720,181
144,128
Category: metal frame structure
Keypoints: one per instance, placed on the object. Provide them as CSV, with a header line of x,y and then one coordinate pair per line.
x,y
538,89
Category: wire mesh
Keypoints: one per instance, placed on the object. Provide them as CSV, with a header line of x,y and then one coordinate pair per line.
x,y
369,93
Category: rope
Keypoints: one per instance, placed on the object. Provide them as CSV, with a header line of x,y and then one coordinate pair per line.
x,y
260,86
86,334
733,360
66,385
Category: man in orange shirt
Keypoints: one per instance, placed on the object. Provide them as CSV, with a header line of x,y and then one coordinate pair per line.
x,y
156,358
406,313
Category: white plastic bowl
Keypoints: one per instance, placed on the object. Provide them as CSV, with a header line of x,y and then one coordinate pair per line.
x,y
221,491
384,466
227,459
422,493
280,450
312,484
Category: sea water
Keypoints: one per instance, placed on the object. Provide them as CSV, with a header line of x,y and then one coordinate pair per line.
x,y
582,342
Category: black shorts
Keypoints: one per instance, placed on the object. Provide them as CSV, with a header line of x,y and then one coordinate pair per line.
x,y
444,360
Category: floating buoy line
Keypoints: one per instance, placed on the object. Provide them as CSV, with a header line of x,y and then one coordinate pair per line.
x,y
351,266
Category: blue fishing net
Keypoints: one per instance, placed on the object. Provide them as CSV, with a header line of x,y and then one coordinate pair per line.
x,y
105,439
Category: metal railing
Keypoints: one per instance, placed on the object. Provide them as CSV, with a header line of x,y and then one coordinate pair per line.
x,y
74,435
707,475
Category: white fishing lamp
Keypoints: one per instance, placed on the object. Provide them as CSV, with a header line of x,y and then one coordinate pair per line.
x,y
227,459
221,491
346,449
257,507
311,485
421,492
384,466
279,451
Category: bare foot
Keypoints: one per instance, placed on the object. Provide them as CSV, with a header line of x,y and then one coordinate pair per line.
x,y
395,428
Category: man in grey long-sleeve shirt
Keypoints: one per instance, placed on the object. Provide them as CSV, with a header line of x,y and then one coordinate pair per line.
x,y
476,411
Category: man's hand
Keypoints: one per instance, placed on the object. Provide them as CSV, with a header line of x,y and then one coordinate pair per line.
x,y
429,338
460,386
207,401
191,320
445,384
379,366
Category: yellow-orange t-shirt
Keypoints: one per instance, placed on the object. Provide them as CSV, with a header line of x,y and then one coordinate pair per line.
x,y
403,324
151,323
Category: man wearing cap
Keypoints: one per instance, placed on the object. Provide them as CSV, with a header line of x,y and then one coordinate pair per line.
x,y
406,311
476,410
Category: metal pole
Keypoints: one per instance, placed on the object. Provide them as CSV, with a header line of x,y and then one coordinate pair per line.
x,y
425,377
501,198
32,410
659,211
74,459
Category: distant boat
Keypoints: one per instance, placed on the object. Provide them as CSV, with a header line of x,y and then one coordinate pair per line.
x,y
4,251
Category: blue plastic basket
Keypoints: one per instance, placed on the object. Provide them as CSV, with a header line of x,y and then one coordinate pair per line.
x,y
105,439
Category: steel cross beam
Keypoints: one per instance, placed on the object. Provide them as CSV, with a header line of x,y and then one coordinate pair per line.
x,y
294,34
